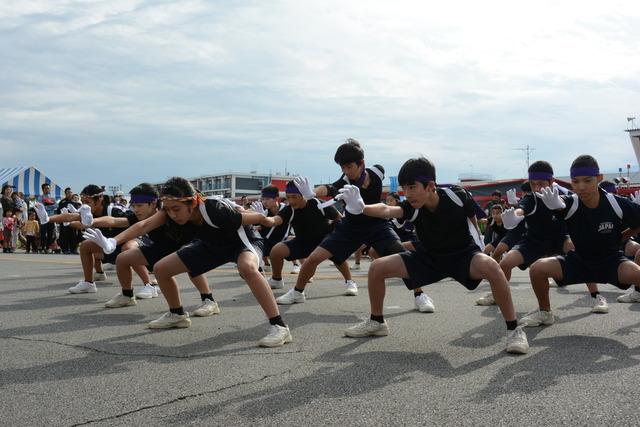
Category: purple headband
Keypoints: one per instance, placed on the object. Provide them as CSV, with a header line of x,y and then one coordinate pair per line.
x,y
270,193
142,198
585,171
292,189
540,176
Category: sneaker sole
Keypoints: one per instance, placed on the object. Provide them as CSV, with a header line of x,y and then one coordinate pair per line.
x,y
276,287
373,334
427,310
485,304
518,349
120,305
351,294
207,314
288,303
145,296
286,340
600,310
533,325
83,292
180,324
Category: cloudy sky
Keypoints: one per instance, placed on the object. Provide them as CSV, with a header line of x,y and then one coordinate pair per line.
x,y
123,91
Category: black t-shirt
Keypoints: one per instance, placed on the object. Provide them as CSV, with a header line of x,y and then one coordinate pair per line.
x,y
371,195
596,232
310,223
404,229
543,225
494,233
445,230
278,233
116,213
226,220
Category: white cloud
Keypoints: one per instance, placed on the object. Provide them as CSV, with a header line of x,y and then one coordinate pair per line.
x,y
255,82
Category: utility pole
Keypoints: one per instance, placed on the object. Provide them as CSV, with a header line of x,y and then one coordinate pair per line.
x,y
527,150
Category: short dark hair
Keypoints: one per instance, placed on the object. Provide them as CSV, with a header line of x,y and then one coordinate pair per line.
x,y
144,189
95,193
497,206
525,187
349,152
270,189
45,184
177,187
497,193
541,166
67,189
585,161
394,195
417,169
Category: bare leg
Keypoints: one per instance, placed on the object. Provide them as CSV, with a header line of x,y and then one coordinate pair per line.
x,y
512,259
344,270
310,265
484,267
278,253
248,269
540,272
124,262
165,271
379,270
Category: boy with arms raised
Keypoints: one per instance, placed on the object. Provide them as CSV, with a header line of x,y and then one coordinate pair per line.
x,y
443,218
595,220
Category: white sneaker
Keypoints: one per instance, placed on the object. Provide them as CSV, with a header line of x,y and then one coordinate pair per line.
x,y
291,297
630,296
276,284
486,299
537,318
600,305
517,341
355,267
207,308
351,289
148,291
267,268
424,304
99,277
368,328
120,301
277,336
295,269
83,288
170,320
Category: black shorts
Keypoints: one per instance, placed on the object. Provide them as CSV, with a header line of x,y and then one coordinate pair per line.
x,y
532,251
425,268
576,269
111,258
511,238
199,256
346,238
300,249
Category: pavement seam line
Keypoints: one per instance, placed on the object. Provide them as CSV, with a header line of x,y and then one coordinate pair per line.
x,y
181,398
111,353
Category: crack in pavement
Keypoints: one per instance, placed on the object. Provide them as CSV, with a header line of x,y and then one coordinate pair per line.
x,y
146,355
185,397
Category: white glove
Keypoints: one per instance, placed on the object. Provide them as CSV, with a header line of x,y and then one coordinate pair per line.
x,y
635,197
351,196
551,198
304,187
512,198
257,206
64,211
86,217
108,245
41,212
510,219
71,208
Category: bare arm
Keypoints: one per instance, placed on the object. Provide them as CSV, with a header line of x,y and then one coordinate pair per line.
x,y
141,228
380,210
255,218
64,217
109,221
271,221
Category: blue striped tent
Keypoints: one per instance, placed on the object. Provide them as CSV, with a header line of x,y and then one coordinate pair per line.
x,y
29,180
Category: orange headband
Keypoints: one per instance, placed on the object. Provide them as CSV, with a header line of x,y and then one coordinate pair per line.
x,y
197,199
